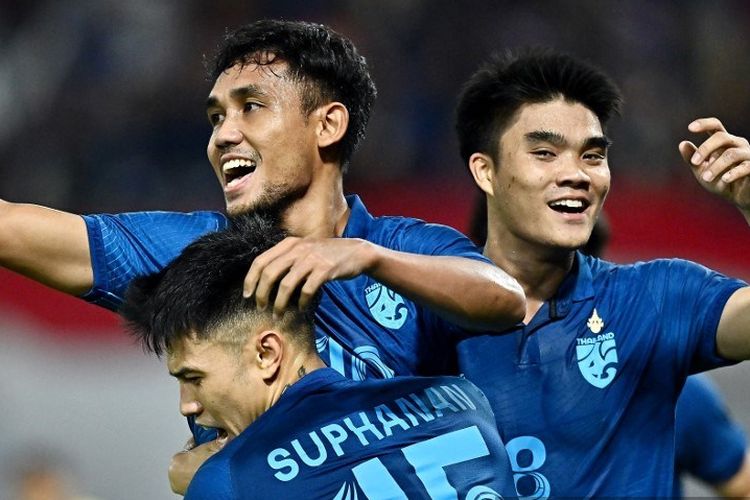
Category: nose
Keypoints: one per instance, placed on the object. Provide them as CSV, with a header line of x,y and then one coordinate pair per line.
x,y
574,173
228,132
189,405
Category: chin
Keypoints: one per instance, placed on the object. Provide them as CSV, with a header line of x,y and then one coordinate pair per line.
x,y
239,207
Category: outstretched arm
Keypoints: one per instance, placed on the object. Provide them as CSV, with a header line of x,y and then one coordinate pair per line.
x,y
46,245
469,293
721,164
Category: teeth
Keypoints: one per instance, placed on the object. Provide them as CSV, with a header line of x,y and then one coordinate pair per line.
x,y
232,164
567,203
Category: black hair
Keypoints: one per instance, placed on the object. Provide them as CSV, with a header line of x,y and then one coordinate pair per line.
x,y
325,64
200,292
492,96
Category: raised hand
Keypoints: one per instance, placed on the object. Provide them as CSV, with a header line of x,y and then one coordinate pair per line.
x,y
721,163
305,264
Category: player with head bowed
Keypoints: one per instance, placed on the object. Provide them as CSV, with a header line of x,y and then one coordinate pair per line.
x,y
294,427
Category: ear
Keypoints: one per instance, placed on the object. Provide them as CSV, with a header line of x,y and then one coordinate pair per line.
x,y
269,352
482,168
333,121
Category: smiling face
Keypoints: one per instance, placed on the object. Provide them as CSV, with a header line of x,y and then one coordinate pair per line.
x,y
262,148
551,178
217,385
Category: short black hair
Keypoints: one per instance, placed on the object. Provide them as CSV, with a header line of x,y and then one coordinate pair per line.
x,y
200,292
325,64
492,96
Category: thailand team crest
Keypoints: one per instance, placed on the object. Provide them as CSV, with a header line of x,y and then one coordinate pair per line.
x,y
386,306
597,355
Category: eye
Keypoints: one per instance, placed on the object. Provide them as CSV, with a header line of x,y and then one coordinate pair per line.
x,y
193,380
252,106
543,154
215,118
594,156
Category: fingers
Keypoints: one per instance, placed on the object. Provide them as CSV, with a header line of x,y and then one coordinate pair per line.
x,y
189,444
707,125
739,171
294,265
713,147
687,149
256,281
719,158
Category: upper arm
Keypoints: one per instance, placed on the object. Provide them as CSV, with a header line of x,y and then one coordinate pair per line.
x,y
738,486
46,245
733,333
212,482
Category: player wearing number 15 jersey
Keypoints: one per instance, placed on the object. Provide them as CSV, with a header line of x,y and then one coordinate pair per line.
x,y
295,428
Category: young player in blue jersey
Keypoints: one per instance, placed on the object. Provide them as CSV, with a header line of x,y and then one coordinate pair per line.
x,y
709,445
289,105
295,428
584,391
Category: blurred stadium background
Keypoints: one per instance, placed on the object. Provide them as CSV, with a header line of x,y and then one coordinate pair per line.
x,y
102,106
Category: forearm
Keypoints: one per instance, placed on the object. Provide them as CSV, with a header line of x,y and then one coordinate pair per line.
x,y
46,245
470,293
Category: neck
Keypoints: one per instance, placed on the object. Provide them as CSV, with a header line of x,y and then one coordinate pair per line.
x,y
293,372
538,269
322,212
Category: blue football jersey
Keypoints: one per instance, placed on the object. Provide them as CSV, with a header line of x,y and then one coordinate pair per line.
x,y
332,438
585,394
363,329
709,445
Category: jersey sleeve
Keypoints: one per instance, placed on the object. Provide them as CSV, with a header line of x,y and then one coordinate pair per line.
x,y
437,239
127,245
213,481
708,444
690,299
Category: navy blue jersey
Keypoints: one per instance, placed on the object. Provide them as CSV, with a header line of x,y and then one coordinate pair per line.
x,y
332,438
363,329
585,394
708,444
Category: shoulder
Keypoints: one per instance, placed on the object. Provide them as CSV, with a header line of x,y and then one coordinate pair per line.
x,y
656,272
209,219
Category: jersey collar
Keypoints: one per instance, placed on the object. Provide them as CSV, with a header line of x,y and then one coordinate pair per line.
x,y
576,287
359,218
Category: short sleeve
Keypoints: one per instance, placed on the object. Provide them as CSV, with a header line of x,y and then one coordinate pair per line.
x,y
212,481
690,299
127,245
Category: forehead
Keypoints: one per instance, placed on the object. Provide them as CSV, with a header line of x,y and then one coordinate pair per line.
x,y
266,80
195,353
572,120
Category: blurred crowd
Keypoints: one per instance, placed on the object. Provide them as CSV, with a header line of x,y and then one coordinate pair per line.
x,y
103,101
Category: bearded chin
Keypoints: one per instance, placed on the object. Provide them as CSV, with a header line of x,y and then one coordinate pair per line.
x,y
274,202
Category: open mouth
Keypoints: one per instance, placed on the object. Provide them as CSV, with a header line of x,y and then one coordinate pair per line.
x,y
569,206
235,170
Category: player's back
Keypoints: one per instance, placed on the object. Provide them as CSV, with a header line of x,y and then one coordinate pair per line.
x,y
329,437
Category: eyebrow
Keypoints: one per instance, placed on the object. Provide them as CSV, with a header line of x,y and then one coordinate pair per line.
x,y
601,141
238,93
557,139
